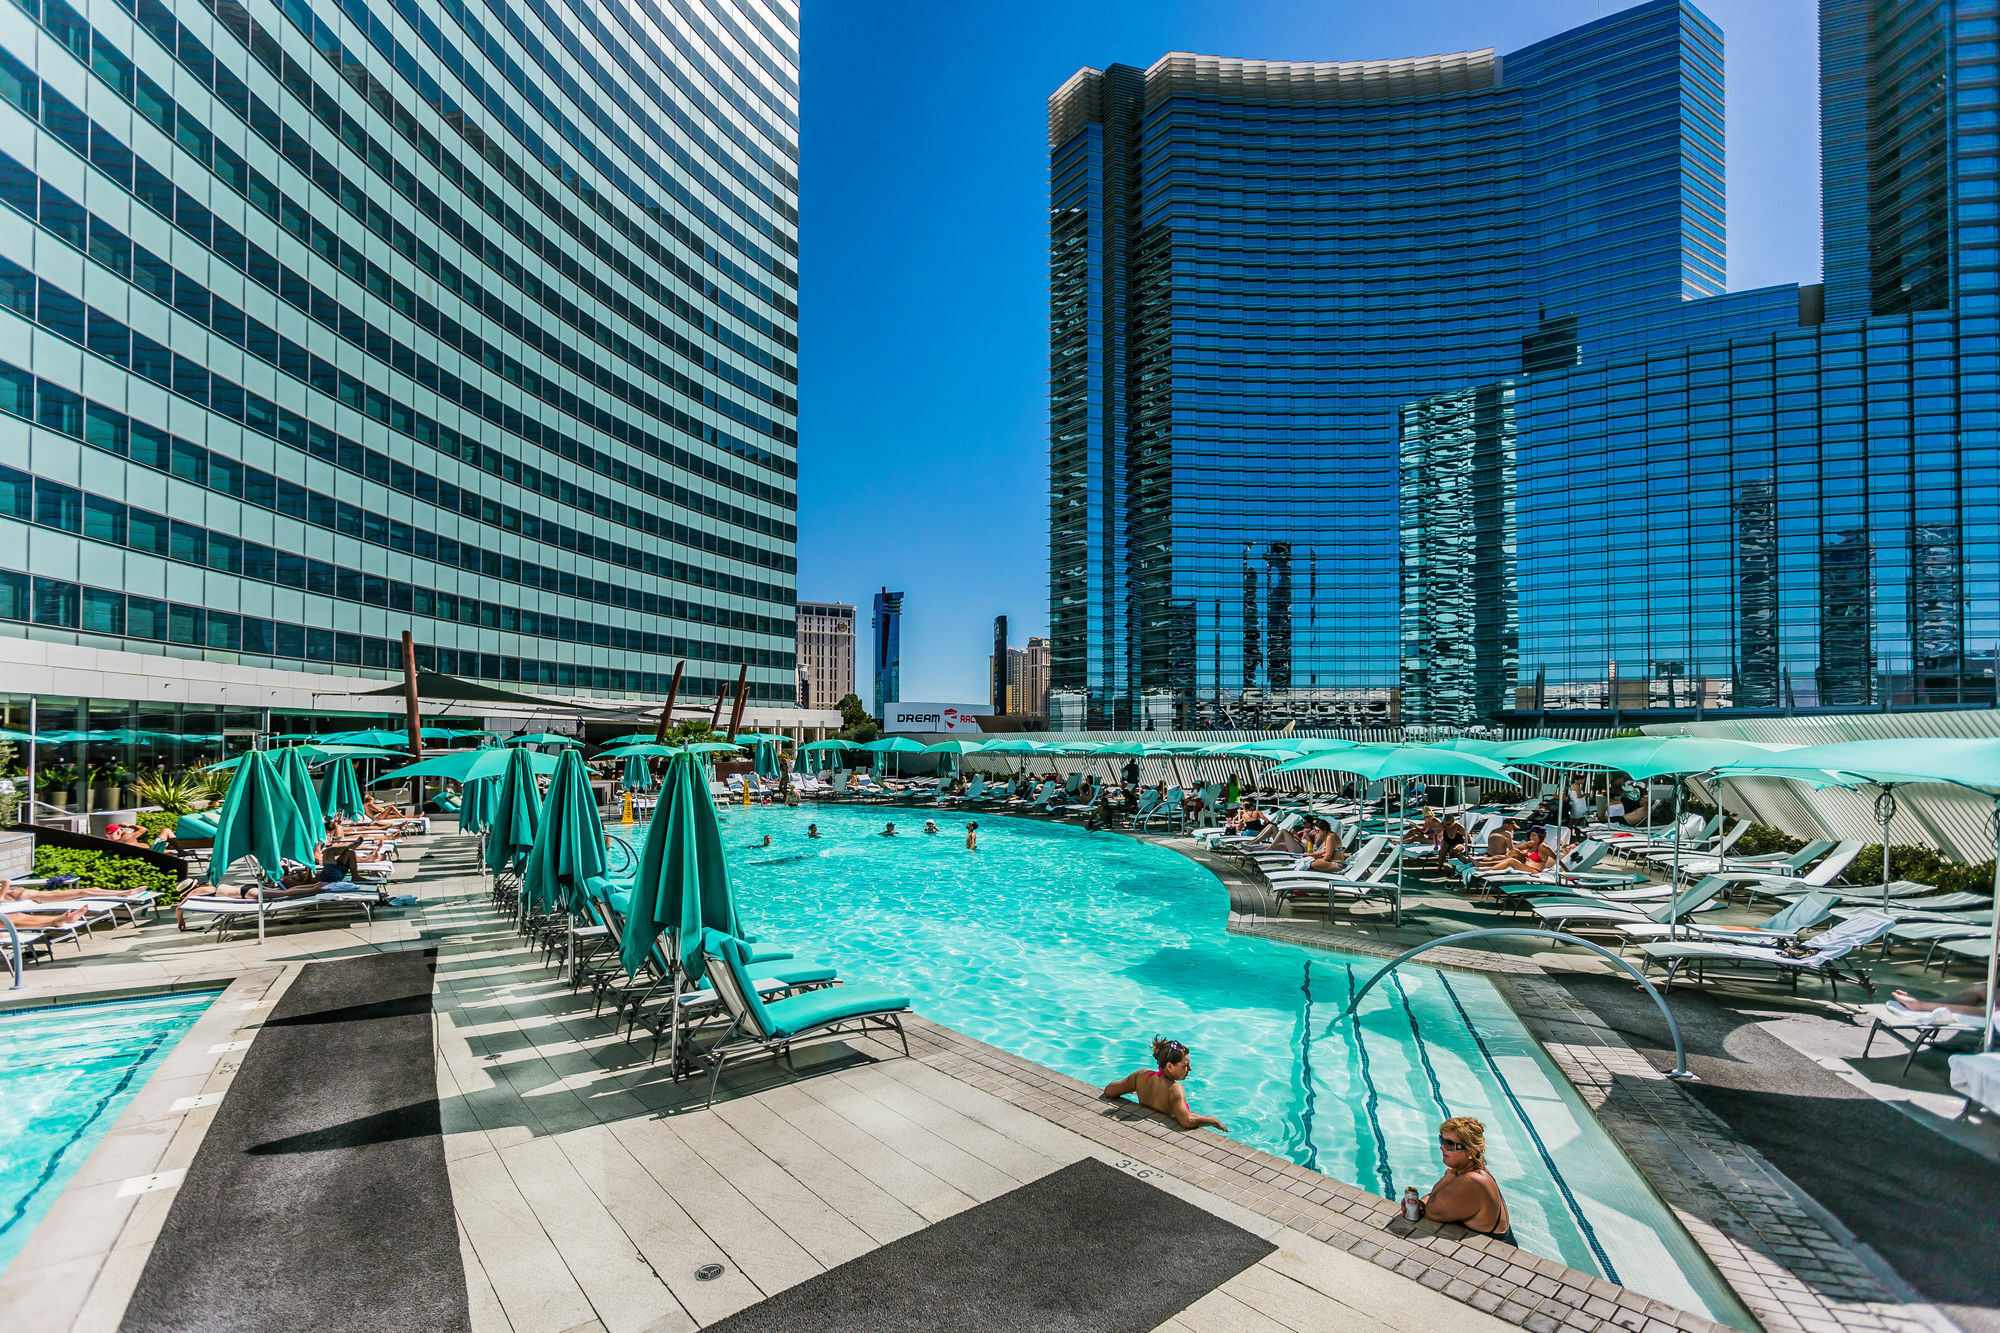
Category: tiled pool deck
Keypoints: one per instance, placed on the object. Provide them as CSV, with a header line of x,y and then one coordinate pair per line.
x,y
589,1188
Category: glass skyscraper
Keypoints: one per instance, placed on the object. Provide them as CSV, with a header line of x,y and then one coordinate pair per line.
x,y
1408,390
320,321
887,624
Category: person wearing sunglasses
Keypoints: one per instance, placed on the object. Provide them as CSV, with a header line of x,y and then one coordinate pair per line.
x,y
1468,1194
1160,1089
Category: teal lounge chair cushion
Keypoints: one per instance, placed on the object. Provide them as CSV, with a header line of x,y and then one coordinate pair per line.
x,y
445,803
820,1007
797,974
194,826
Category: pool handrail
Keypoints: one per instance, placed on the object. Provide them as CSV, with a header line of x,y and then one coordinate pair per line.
x,y
1679,1071
13,950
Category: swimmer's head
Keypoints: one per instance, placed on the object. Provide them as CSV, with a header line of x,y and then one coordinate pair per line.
x,y
1170,1056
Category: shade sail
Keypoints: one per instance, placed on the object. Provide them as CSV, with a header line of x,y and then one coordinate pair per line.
x,y
1397,761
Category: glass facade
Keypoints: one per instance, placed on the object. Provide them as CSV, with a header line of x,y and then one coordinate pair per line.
x,y
887,624
320,321
1408,390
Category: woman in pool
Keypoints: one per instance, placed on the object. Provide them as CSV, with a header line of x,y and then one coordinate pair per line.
x,y
930,826
972,837
1468,1194
1160,1089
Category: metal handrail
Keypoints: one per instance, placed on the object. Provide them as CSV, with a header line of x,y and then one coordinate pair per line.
x,y
1679,1071
13,949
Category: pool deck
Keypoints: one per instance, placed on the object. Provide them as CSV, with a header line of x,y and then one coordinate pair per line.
x,y
588,1188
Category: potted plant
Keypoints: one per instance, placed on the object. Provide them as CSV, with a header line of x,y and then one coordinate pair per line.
x,y
103,786
172,792
54,784
212,785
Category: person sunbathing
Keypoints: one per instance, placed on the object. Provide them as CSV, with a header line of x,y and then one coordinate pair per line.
x,y
1533,859
1328,856
47,920
1429,833
1159,1089
1500,842
10,894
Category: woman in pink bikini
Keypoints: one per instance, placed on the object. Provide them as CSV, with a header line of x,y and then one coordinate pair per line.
x,y
1160,1089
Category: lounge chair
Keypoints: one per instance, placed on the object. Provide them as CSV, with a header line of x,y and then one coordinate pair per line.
x,y
1828,949
1977,1077
1783,924
1289,883
1919,1027
1776,863
760,1028
1167,811
1579,913
1777,885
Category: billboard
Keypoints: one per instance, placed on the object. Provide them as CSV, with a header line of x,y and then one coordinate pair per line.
x,y
901,716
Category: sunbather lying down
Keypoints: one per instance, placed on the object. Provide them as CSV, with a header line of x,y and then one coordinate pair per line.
x,y
1971,1000
46,920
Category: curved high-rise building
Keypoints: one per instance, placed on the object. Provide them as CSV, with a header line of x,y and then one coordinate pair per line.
x,y
323,321
1354,406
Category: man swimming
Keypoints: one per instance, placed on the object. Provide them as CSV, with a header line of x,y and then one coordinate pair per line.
x,y
972,837
1160,1089
812,830
888,832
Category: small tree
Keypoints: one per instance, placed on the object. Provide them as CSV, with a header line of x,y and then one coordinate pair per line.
x,y
689,731
856,724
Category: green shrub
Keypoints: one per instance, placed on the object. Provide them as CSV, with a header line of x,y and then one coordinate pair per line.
x,y
103,870
158,823
175,793
1922,864
1762,839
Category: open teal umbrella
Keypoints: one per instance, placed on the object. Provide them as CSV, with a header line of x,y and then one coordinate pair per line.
x,y
339,793
475,804
517,812
540,738
259,820
637,777
471,765
569,844
395,740
681,884
291,766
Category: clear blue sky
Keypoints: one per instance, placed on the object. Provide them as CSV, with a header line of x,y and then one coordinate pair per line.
x,y
923,402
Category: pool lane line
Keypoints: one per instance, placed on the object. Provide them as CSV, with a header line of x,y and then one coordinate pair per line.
x,y
1521,1114
55,1159
1373,1103
1423,1048
1306,1072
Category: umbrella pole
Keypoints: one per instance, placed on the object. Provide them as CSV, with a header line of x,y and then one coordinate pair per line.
x,y
1993,955
1885,810
1674,884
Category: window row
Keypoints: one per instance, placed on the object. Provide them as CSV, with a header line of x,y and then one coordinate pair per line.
x,y
48,504
110,156
58,409
230,90
58,604
113,340
63,218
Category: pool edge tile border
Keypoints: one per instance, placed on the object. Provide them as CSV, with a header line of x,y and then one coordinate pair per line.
x,y
82,1274
1683,1151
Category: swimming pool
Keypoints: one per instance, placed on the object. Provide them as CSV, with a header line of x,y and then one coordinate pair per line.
x,y
66,1074
1072,949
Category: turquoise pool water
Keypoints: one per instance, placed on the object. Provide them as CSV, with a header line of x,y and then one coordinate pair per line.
x,y
66,1073
1073,949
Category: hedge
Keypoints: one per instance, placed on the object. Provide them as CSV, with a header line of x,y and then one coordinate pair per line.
x,y
104,870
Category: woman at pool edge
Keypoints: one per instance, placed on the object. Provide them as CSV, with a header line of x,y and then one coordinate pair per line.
x,y
1468,1194
1160,1089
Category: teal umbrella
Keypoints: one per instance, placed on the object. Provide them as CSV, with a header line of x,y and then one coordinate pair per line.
x,y
260,821
395,740
339,793
517,812
291,766
764,760
471,765
540,738
681,884
475,804
569,845
637,778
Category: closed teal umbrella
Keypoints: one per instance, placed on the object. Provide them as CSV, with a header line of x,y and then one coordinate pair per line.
x,y
569,845
637,777
339,793
260,821
681,883
765,760
291,766
517,813
475,804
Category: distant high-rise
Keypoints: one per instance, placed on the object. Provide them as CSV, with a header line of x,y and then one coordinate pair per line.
x,y
826,653
999,668
1028,690
888,627
1408,390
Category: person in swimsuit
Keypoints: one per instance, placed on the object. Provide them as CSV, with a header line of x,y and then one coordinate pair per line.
x,y
972,837
888,832
1468,1194
930,826
1160,1089
812,830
